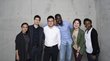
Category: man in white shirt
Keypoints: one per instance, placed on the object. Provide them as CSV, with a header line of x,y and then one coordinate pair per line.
x,y
91,39
52,40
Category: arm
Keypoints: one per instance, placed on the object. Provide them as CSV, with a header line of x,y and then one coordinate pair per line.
x,y
82,43
70,26
17,55
94,36
16,46
59,38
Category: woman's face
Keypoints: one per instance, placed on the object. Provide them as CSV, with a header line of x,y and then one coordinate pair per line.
x,y
76,25
24,28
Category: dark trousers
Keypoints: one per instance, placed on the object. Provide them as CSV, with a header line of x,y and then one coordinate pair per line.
x,y
77,58
51,53
92,57
36,54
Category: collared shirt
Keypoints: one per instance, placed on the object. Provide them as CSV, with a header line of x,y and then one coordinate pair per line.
x,y
52,36
89,48
36,26
65,31
35,41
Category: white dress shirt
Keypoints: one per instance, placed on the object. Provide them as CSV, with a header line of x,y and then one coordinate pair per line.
x,y
89,48
52,36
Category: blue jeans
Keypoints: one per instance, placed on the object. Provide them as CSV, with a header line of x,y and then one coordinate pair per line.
x,y
65,52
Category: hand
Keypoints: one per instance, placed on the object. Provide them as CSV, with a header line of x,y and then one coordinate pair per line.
x,y
78,49
77,54
17,57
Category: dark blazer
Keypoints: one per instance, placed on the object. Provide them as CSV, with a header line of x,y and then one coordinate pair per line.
x,y
41,36
81,41
21,47
94,40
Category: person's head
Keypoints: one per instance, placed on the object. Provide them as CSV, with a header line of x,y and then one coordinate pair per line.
x,y
37,19
24,27
50,21
88,23
76,23
58,19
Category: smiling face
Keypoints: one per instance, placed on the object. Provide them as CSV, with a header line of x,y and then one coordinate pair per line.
x,y
76,24
24,28
88,25
36,21
58,19
50,22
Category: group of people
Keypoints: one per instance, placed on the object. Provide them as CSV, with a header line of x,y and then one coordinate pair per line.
x,y
59,40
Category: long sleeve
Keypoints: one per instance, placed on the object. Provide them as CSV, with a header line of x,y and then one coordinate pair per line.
x,y
82,44
59,39
94,36
17,43
42,37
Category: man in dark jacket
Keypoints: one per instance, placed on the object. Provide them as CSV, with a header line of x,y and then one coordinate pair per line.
x,y
37,39
91,37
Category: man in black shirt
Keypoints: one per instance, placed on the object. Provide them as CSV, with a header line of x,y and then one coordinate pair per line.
x,y
37,39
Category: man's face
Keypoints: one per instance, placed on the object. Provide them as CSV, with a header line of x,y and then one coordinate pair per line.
x,y
88,24
36,21
24,28
50,22
58,19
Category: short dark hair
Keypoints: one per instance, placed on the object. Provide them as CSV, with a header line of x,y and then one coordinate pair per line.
x,y
59,15
24,24
50,17
37,16
87,19
77,19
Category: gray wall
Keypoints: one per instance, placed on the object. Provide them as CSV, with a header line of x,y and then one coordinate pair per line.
x,y
15,12
103,27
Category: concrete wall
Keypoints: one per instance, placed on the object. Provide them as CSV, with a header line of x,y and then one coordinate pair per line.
x,y
15,12
103,27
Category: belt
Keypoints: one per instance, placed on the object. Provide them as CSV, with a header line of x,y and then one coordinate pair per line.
x,y
51,46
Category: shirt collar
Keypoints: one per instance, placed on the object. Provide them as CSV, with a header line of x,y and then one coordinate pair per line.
x,y
36,26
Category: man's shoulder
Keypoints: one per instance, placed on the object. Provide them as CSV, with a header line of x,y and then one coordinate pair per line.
x,y
56,28
40,27
93,30
45,27
31,26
